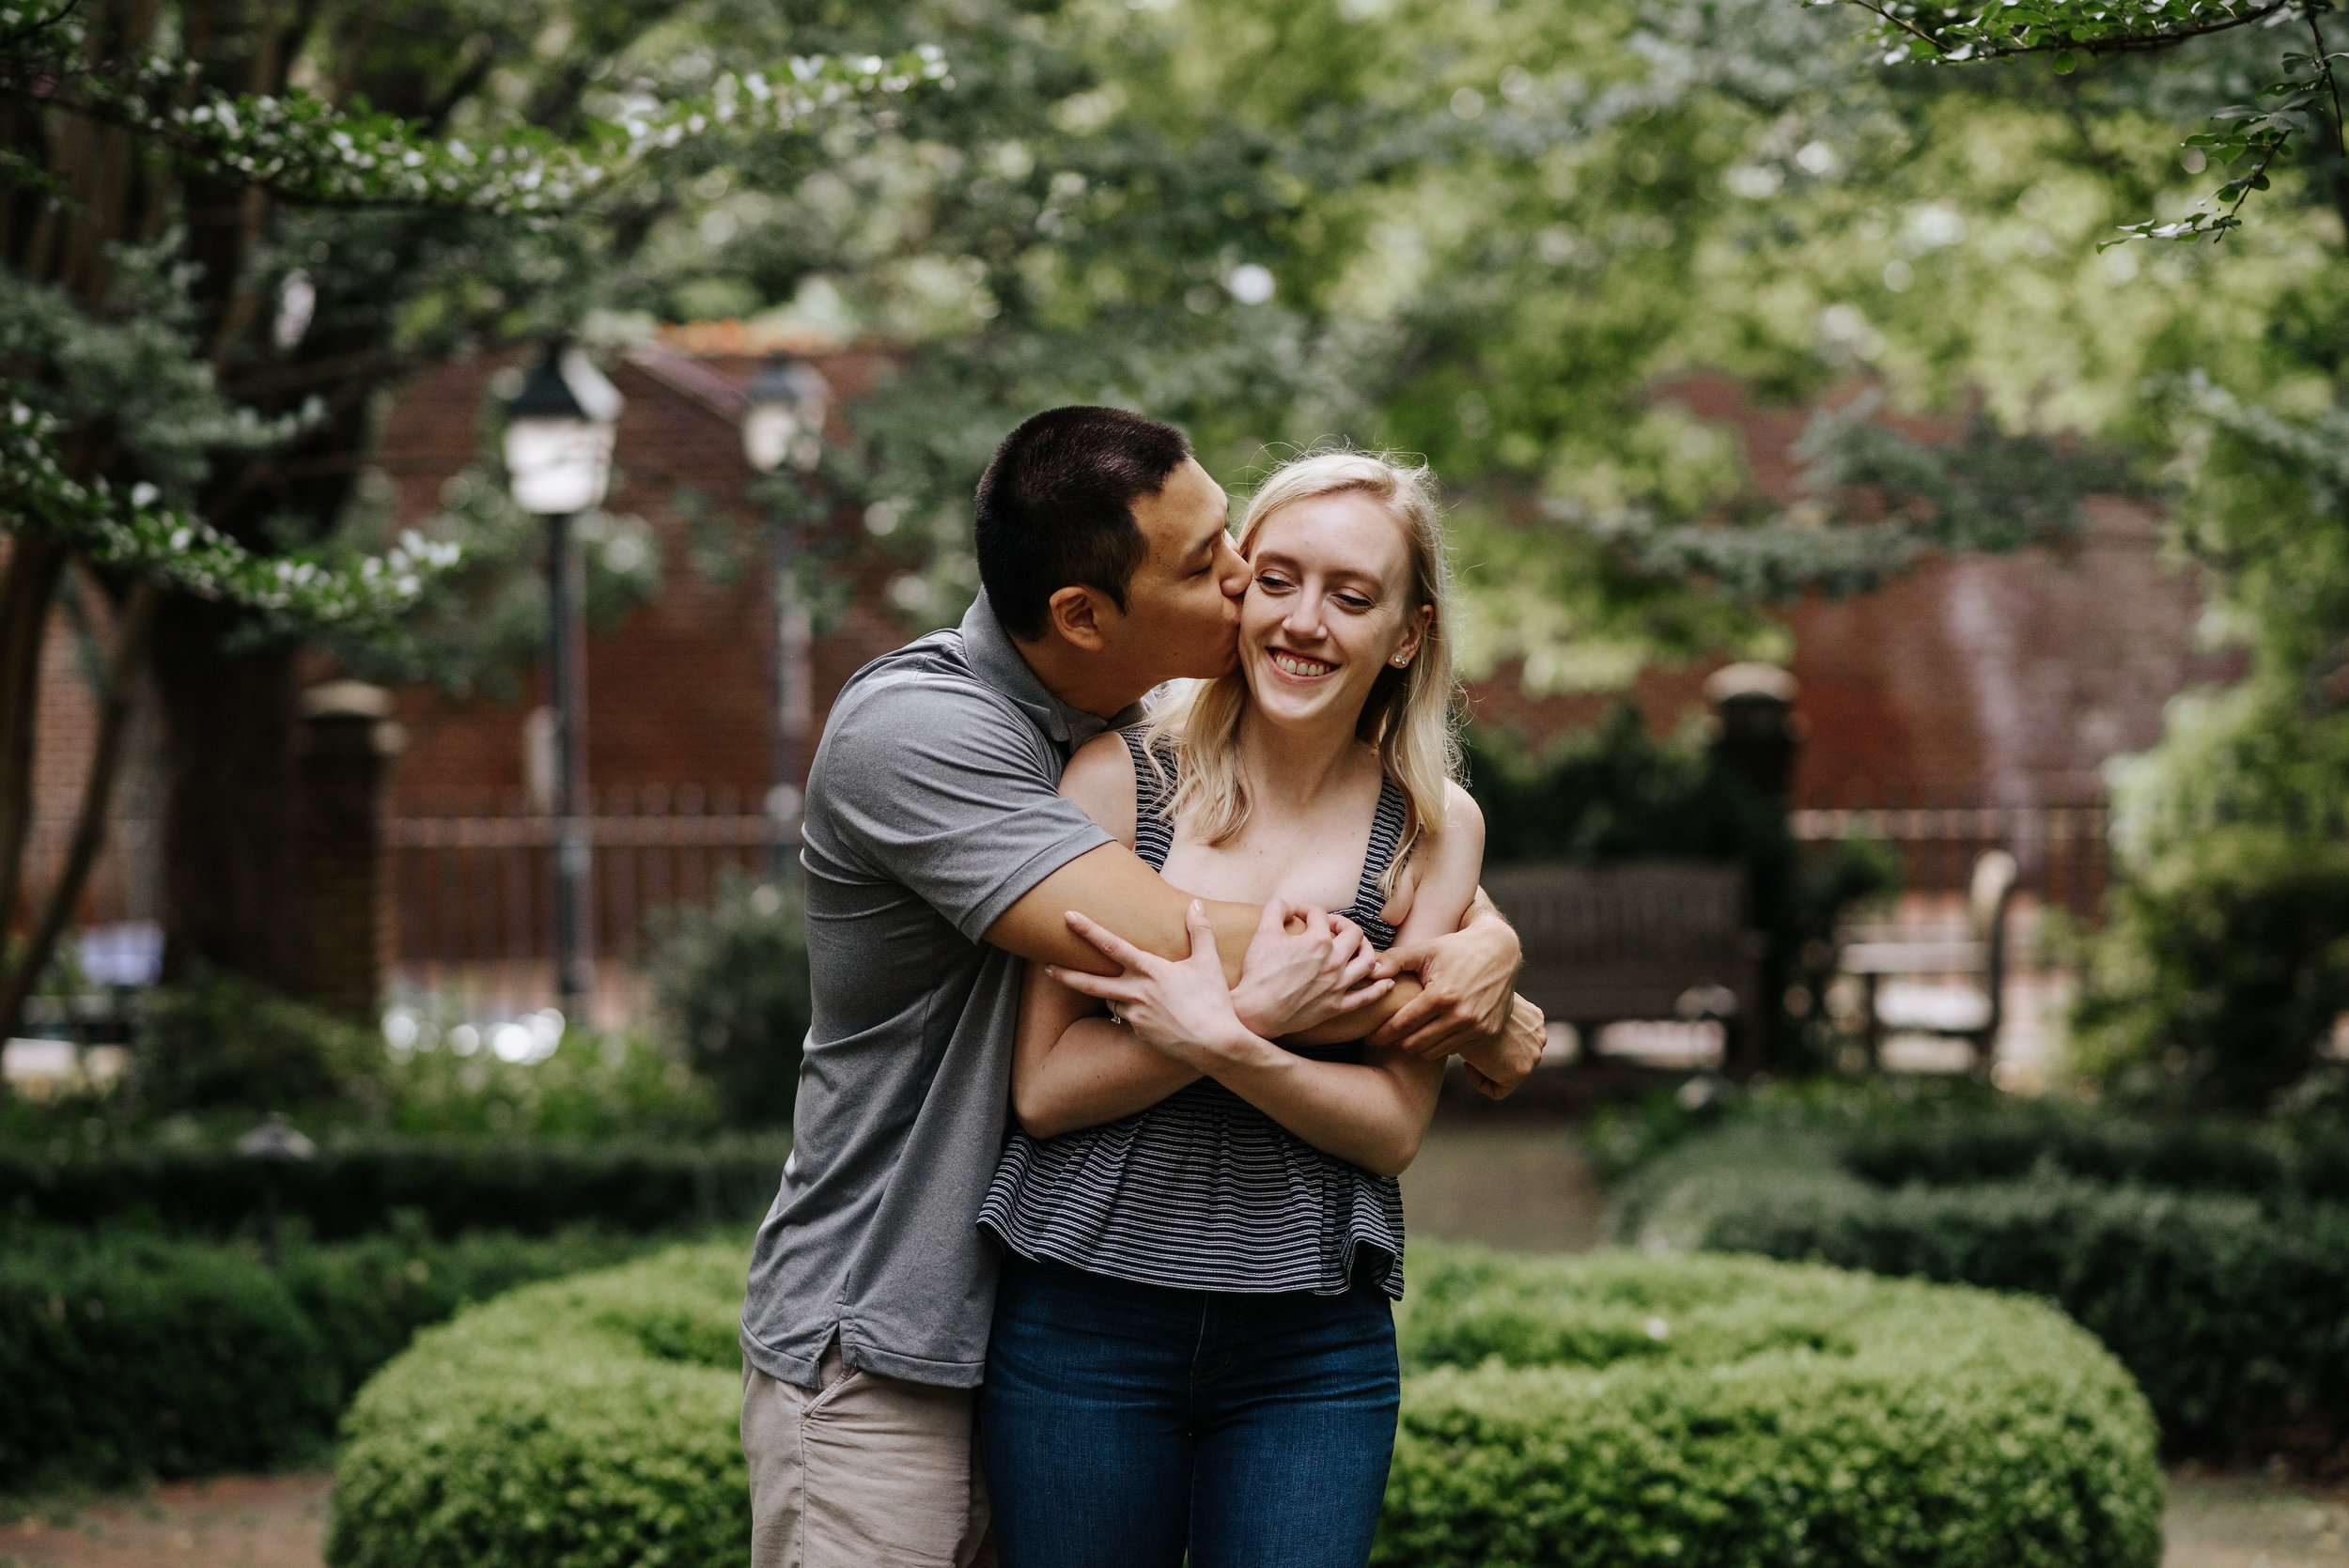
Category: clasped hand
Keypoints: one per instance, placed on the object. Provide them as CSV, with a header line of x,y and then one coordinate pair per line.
x,y
1292,980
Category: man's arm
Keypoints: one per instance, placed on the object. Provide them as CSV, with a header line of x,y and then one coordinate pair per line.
x,y
1466,976
1307,964
1115,887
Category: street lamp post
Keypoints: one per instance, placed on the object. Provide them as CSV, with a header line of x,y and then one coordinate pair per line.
x,y
558,453
784,421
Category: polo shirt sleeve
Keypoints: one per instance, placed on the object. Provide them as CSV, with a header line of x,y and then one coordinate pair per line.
x,y
953,793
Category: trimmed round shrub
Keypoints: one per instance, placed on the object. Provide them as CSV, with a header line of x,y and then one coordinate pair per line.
x,y
1621,1409
585,1422
1611,1410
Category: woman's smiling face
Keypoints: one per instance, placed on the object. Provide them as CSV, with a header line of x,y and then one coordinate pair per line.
x,y
1329,604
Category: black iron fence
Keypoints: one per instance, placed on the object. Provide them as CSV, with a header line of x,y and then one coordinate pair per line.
x,y
478,887
2064,851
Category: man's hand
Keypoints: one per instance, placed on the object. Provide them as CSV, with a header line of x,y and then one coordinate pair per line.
x,y
1305,966
1180,1008
1496,1065
1465,980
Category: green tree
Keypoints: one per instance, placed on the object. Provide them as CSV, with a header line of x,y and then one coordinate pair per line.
x,y
2220,978
224,229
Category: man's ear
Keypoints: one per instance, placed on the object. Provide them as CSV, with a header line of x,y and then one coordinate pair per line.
x,y
1083,617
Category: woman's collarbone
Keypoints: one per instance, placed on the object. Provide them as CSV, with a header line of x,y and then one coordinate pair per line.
x,y
1323,871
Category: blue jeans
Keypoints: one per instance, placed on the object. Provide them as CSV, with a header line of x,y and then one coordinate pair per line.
x,y
1123,1426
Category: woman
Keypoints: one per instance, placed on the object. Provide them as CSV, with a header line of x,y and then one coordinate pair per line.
x,y
1193,1349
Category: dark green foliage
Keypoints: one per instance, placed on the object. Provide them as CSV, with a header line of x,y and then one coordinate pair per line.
x,y
731,980
2217,985
2279,1166
2235,1321
127,1355
1616,793
219,1039
1613,1410
359,1184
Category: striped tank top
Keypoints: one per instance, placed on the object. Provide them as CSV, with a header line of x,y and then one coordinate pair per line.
x,y
1203,1191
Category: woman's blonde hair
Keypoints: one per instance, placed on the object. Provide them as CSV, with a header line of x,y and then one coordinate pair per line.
x,y
1409,713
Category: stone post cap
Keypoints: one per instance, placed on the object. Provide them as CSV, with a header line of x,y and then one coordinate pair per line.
x,y
1734,681
345,699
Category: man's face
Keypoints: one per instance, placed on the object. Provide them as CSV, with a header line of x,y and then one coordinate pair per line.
x,y
1182,606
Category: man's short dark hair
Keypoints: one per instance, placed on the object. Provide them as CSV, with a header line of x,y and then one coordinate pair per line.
x,y
1056,508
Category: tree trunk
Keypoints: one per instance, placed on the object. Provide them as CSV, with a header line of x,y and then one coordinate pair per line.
x,y
28,583
116,705
232,874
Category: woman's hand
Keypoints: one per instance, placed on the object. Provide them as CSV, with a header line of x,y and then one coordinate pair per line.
x,y
1305,966
1182,1008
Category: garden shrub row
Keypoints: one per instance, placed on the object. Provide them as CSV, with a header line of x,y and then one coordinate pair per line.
x,y
124,1356
2234,1321
2278,1166
1616,1410
357,1185
2231,1311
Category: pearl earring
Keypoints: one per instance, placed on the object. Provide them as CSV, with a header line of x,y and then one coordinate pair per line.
x,y
1400,661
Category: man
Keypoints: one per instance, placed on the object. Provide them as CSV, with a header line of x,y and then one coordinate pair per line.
x,y
939,855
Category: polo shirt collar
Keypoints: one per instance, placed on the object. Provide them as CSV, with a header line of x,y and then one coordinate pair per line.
x,y
995,660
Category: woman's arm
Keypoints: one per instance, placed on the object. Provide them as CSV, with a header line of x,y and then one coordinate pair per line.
x,y
1072,1067
1376,1113
1373,1113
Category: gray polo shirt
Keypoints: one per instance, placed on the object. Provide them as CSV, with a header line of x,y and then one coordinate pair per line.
x,y
933,806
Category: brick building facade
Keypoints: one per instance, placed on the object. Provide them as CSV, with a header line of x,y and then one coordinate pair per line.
x,y
2004,679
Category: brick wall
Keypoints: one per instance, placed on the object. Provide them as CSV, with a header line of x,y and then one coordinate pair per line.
x,y
682,693
121,884
2005,679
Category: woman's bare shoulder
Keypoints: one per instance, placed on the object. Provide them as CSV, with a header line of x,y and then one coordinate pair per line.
x,y
1464,819
1443,861
1100,779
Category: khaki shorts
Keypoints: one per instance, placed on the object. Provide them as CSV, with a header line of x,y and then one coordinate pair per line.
x,y
865,1472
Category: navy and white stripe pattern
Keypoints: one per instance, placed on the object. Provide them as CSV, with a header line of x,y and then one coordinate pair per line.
x,y
1204,1191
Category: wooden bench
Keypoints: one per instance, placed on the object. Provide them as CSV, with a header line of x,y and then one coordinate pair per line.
x,y
1640,941
1974,952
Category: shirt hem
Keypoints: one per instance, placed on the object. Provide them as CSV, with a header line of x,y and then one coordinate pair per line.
x,y
1390,1286
798,1371
804,1372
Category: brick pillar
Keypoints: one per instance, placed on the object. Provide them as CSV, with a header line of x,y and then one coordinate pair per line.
x,y
1755,735
1756,739
349,741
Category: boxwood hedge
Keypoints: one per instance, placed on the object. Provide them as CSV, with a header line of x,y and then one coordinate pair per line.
x,y
360,1184
124,1356
1614,1410
2228,1301
2234,1321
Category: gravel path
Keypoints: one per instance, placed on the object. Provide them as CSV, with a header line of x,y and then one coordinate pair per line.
x,y
273,1521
